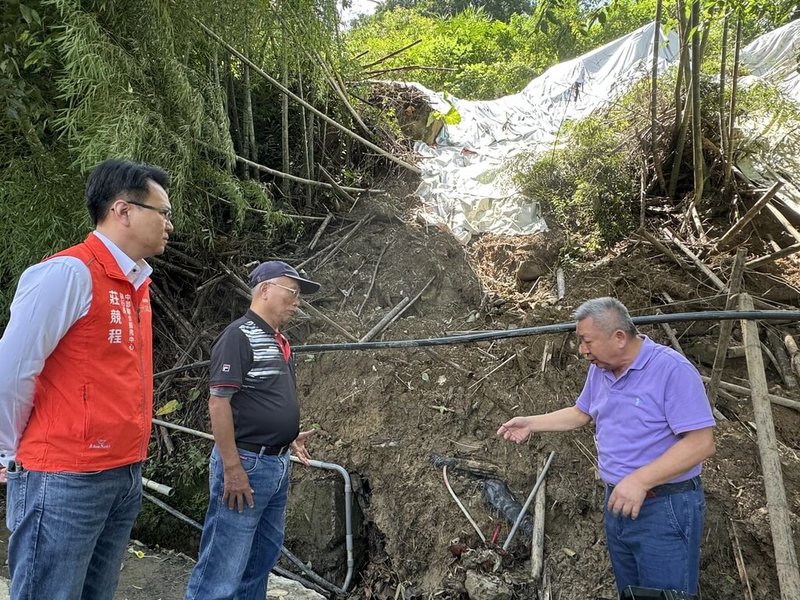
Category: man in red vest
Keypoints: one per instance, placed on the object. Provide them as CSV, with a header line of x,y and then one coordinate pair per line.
x,y
76,392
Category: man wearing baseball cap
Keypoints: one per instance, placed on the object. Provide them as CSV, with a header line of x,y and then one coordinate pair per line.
x,y
255,419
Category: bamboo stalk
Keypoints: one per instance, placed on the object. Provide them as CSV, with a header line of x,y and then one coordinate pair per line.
x,y
781,359
749,215
391,54
277,173
697,130
385,320
374,276
784,221
764,260
745,391
340,244
537,537
728,178
777,506
726,327
296,98
321,229
336,187
319,314
698,263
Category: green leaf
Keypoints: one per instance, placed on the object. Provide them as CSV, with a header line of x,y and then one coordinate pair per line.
x,y
169,408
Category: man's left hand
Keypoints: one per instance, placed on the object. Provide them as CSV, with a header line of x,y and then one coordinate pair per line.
x,y
627,498
299,446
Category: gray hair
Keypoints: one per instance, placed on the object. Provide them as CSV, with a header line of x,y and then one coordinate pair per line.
x,y
609,314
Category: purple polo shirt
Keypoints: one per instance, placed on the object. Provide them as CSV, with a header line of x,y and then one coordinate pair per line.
x,y
640,416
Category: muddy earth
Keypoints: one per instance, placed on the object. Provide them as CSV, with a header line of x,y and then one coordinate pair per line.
x,y
388,415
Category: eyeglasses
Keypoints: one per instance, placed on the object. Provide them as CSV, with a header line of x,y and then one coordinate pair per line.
x,y
164,212
292,291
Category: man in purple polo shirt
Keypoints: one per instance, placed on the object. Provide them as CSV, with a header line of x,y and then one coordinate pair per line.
x,y
653,428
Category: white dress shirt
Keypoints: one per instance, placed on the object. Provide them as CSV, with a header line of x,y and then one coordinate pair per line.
x,y
51,296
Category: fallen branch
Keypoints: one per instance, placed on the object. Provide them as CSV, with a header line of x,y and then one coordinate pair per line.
x,y
387,318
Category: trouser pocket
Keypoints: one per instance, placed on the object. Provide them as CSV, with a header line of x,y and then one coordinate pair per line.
x,y
15,498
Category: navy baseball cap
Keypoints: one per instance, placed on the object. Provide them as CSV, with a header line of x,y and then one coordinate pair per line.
x,y
277,268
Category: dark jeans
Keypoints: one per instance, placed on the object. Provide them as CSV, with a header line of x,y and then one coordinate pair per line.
x,y
661,547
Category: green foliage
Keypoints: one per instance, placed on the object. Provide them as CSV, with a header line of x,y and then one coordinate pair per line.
x,y
81,81
587,184
495,9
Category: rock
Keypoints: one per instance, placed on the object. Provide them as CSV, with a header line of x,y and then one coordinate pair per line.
x,y
281,587
486,587
530,270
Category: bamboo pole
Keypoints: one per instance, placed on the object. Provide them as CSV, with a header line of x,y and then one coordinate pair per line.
x,y
277,173
391,54
782,538
746,391
698,263
537,538
697,130
653,103
726,327
784,221
728,178
749,215
296,98
764,260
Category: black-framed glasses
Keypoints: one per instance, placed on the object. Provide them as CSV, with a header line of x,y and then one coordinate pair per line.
x,y
292,291
164,212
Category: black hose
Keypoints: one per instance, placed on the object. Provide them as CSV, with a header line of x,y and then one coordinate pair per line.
x,y
709,315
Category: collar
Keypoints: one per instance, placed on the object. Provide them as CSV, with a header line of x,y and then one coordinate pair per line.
x,y
644,355
251,314
136,272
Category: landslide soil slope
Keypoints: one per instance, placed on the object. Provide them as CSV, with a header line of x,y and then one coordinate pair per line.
x,y
382,413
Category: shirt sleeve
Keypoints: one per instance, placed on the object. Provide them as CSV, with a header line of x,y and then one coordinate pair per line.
x,y
686,404
230,359
50,297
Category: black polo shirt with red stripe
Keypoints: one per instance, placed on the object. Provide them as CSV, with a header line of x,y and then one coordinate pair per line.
x,y
255,360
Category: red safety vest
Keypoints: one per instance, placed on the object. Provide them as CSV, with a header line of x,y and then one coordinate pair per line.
x,y
93,402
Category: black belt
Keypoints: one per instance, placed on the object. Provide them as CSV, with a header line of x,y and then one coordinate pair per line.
x,y
271,450
666,489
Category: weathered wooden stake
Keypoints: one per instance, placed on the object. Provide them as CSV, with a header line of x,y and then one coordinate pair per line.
x,y
782,539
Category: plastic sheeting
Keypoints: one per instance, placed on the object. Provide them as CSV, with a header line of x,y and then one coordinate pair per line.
x,y
467,176
771,142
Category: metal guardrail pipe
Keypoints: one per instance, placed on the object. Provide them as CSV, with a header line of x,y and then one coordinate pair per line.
x,y
158,487
528,501
348,508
